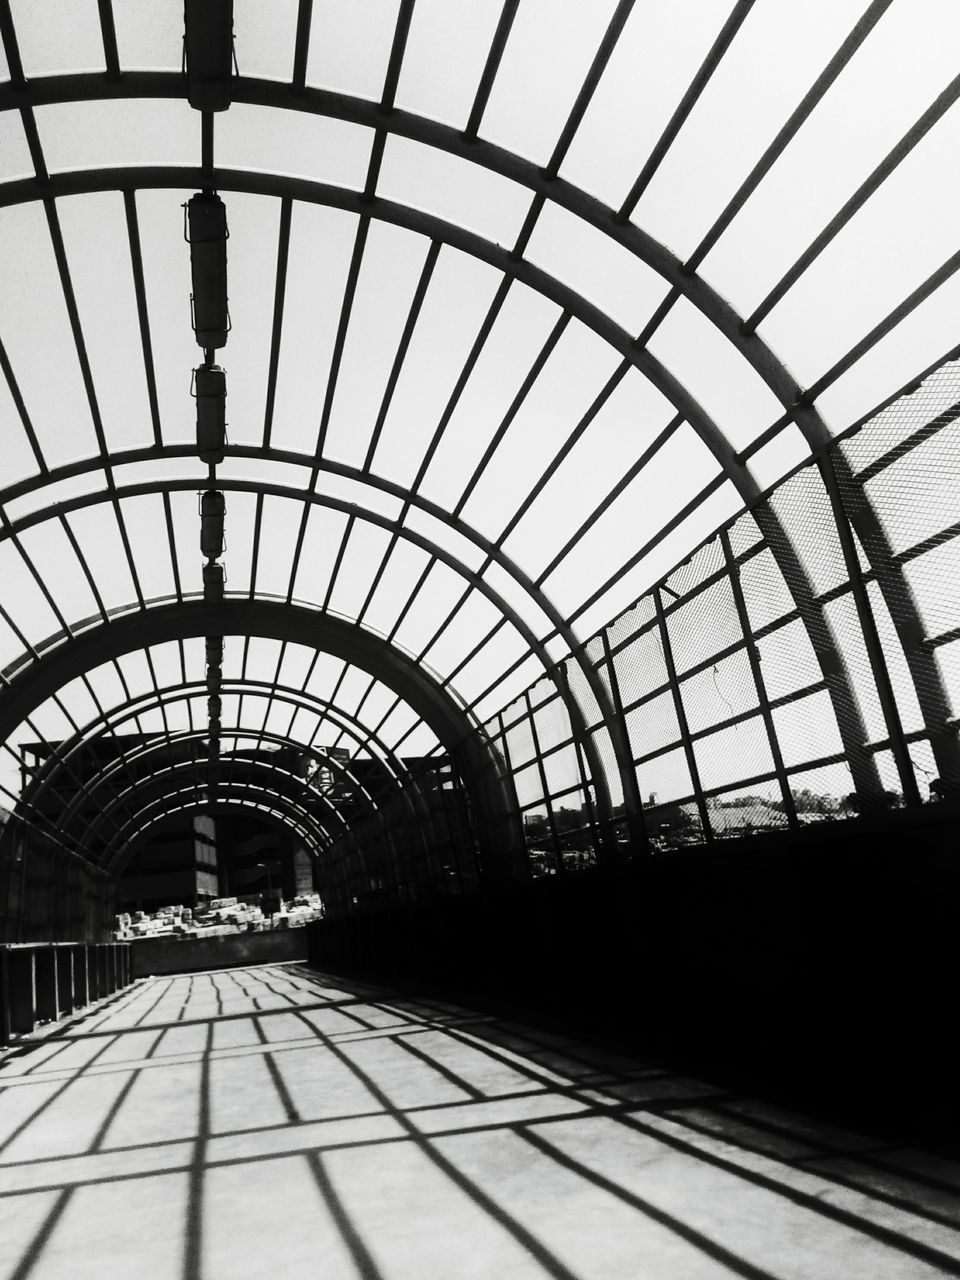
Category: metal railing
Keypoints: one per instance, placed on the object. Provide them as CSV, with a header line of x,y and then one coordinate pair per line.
x,y
44,982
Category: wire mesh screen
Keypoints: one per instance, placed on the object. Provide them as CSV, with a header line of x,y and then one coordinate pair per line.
x,y
800,667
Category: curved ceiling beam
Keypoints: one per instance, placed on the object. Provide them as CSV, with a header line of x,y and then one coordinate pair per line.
x,y
157,177
456,730
283,820
151,488
255,774
86,466
170,695
534,644
487,155
136,830
164,742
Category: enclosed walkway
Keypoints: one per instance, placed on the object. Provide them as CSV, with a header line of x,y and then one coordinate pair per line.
x,y
275,1122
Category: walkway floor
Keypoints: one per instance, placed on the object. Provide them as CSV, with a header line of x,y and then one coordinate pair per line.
x,y
272,1122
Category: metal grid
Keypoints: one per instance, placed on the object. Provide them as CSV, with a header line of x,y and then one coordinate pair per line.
x,y
718,677
831,604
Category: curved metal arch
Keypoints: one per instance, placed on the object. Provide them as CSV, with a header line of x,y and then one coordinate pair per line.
x,y
288,821
161,807
159,177
177,485
487,155
170,695
460,735
35,484
406,784
684,281
845,705
536,646
248,773
163,743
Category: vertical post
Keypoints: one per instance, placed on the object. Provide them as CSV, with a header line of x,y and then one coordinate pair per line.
x,y
682,717
47,1005
4,995
23,990
81,982
64,961
871,636
753,656
551,820
632,802
511,776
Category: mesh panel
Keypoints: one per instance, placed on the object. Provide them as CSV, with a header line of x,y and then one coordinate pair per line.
x,y
823,794
604,748
520,744
747,811
704,626
585,698
937,399
701,565
640,667
720,692
733,755
766,594
672,825
807,730
803,508
562,771
787,660
744,534
553,724
653,725
897,481
948,664
665,778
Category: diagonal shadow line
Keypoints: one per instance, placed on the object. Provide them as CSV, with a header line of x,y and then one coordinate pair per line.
x,y
186,999
804,1199
193,1224
739,1265
37,1245
894,1199
227,1017
70,1032
110,1038
283,1092
146,1013
529,1044
547,1260
588,1111
448,1074
872,1156
886,1235
361,1256
113,1112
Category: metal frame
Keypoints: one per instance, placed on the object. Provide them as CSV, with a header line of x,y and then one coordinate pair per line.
x,y
853,515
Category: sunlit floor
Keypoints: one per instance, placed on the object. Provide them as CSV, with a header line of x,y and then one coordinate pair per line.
x,y
272,1122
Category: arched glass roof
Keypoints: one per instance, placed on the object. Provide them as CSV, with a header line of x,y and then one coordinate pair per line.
x,y
527,297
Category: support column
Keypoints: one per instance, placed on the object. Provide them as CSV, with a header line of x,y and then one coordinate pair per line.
x,y
48,1003
64,965
22,988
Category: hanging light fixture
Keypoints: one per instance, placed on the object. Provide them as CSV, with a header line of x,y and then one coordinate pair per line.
x,y
206,233
210,393
208,53
212,510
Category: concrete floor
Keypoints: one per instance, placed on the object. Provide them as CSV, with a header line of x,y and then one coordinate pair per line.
x,y
271,1122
